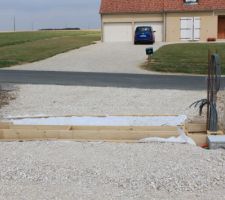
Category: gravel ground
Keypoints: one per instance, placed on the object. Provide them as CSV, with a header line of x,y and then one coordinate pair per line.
x,y
76,100
221,108
101,57
69,170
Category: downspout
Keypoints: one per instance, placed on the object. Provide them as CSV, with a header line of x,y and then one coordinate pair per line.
x,y
102,34
164,22
133,27
217,24
165,27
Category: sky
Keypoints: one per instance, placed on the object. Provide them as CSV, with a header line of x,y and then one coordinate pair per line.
x,y
37,14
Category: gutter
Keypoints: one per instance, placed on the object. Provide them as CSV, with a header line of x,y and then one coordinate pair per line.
x,y
161,11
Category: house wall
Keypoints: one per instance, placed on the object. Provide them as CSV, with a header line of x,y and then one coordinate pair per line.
x,y
132,18
209,22
219,13
209,25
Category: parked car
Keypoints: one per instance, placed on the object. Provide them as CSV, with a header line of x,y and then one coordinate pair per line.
x,y
144,35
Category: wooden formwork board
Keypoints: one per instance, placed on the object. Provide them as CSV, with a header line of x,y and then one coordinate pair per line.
x,y
45,117
215,132
72,140
198,132
5,125
85,133
199,138
196,127
115,128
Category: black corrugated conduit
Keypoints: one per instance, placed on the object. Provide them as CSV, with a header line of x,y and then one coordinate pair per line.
x,y
214,79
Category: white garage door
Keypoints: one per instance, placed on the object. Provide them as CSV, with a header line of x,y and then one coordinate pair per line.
x,y
156,26
117,32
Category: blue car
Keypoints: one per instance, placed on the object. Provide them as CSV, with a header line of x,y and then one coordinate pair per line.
x,y
144,35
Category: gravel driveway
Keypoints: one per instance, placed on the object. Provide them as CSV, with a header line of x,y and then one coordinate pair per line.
x,y
100,57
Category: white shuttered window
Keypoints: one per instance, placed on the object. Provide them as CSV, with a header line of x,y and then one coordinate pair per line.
x,y
190,28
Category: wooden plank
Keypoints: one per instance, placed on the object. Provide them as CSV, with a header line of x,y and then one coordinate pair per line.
x,y
126,128
199,138
39,127
83,134
122,135
109,141
68,116
215,132
5,125
195,127
80,140
59,127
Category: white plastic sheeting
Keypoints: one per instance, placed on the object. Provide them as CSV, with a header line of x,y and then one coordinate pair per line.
x,y
182,139
105,121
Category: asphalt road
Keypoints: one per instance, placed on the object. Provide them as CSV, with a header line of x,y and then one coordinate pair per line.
x,y
105,79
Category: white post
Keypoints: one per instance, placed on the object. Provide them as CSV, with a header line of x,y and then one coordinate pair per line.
x,y
14,24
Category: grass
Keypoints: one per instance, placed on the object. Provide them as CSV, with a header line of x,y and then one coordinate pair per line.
x,y
185,58
25,47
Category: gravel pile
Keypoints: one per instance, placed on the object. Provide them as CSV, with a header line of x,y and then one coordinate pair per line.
x,y
69,170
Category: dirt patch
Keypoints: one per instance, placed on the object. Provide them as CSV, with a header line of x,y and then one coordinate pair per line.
x,y
5,98
6,95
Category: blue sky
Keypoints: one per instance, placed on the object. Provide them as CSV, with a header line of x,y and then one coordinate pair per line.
x,y
49,14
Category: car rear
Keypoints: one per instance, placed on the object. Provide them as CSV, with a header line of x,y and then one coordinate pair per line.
x,y
144,35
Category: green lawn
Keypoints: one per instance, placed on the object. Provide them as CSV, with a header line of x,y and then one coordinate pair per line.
x,y
185,58
25,47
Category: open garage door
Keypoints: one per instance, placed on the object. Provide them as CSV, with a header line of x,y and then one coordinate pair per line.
x,y
157,27
117,32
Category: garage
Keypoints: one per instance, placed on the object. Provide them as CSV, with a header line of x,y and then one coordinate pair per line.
x,y
156,26
117,32
123,32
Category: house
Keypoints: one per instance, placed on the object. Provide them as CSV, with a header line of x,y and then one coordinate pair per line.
x,y
173,20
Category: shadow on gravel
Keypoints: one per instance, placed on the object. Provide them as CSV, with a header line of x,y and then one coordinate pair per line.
x,y
121,80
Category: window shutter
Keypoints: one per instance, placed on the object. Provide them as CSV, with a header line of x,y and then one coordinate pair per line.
x,y
186,28
190,28
197,28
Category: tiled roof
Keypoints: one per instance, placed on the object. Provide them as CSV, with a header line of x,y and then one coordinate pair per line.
x,y
145,6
